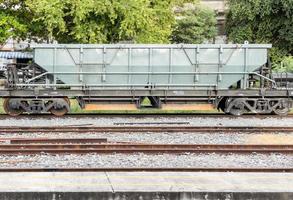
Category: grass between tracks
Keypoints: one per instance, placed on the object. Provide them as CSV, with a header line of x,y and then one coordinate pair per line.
x,y
1,107
75,109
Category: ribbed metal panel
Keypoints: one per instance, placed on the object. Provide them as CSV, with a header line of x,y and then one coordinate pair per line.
x,y
133,66
15,55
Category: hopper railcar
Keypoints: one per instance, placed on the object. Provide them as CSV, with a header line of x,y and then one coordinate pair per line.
x,y
234,78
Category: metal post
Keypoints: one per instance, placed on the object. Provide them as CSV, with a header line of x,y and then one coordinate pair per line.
x,y
196,77
54,66
129,64
81,64
149,64
244,85
170,65
220,63
104,64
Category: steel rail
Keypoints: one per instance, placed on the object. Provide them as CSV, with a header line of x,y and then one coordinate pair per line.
x,y
52,140
145,169
140,148
149,129
154,115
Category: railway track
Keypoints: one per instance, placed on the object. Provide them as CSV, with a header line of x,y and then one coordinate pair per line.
x,y
31,146
129,129
52,140
129,148
143,114
260,170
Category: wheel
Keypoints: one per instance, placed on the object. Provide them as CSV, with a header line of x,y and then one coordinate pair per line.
x,y
237,107
58,112
61,108
283,108
8,108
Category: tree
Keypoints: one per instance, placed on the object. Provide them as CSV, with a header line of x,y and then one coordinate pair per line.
x,y
286,65
262,21
11,25
95,21
195,26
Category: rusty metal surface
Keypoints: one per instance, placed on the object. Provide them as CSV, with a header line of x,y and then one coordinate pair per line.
x,y
117,129
267,170
143,148
52,140
110,107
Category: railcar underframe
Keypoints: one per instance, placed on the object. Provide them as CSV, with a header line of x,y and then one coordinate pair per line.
x,y
234,102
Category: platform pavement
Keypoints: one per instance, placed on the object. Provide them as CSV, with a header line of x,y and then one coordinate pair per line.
x,y
145,186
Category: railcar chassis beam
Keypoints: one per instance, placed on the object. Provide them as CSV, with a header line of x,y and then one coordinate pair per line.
x,y
180,92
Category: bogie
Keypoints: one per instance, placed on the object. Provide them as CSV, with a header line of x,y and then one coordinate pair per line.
x,y
239,106
17,106
11,107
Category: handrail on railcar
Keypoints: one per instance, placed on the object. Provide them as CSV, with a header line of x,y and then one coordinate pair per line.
x,y
148,73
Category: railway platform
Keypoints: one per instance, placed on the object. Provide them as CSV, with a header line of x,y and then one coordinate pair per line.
x,y
145,186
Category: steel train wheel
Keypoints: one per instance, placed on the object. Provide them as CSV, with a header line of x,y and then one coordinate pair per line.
x,y
283,109
237,111
237,107
58,112
9,110
61,111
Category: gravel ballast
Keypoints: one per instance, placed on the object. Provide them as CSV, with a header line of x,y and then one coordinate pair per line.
x,y
147,160
110,121
253,160
168,138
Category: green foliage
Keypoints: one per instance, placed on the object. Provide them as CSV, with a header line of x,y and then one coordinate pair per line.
x,y
91,21
195,26
286,65
11,25
262,21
